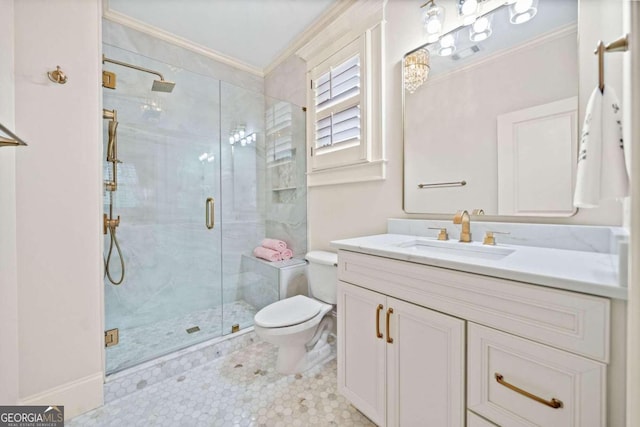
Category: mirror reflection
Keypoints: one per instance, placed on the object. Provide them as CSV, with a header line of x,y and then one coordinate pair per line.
x,y
491,110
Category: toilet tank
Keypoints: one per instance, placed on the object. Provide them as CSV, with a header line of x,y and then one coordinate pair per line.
x,y
323,275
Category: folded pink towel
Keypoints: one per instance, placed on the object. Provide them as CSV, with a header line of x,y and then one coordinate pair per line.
x,y
286,254
268,254
275,244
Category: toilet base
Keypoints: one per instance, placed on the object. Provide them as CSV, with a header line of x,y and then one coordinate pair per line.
x,y
297,359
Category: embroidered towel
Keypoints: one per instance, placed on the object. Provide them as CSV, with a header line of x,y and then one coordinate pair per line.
x,y
267,254
602,173
276,245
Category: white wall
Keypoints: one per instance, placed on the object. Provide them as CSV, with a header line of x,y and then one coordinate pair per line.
x,y
632,106
8,273
347,210
58,203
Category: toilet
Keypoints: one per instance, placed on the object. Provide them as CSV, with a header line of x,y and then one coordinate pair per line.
x,y
299,325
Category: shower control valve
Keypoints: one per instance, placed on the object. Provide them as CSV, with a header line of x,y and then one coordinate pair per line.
x,y
110,185
109,223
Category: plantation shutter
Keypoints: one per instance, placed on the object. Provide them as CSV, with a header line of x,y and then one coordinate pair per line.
x,y
338,104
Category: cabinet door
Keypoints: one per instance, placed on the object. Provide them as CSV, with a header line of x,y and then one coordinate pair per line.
x,y
425,367
361,352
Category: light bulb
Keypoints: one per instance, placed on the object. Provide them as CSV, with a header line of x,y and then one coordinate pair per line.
x,y
211,158
447,41
231,140
468,7
236,137
243,142
446,51
241,132
522,5
433,26
481,24
254,137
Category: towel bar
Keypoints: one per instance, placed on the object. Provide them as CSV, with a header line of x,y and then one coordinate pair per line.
x,y
443,184
13,141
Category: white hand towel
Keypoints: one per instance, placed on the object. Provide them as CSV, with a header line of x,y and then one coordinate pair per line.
x,y
602,173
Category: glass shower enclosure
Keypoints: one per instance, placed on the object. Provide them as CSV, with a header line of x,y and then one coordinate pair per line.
x,y
193,201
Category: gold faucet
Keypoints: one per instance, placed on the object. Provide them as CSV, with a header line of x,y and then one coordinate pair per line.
x,y
462,217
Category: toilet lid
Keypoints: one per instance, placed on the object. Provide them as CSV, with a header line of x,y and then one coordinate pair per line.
x,y
287,312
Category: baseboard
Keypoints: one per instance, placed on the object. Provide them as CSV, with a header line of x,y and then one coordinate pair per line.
x,y
77,396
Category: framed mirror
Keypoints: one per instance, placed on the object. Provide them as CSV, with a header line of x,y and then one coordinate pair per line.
x,y
491,113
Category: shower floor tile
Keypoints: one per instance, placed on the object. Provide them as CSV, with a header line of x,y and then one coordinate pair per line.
x,y
241,389
147,342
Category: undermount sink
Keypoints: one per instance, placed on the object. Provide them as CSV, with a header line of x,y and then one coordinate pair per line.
x,y
471,250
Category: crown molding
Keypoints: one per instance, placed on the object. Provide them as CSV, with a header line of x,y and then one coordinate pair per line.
x,y
174,39
330,15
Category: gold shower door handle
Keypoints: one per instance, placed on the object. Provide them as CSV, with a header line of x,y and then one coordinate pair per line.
x,y
378,310
389,313
210,213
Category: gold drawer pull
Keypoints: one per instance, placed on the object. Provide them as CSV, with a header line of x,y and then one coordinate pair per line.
x,y
554,403
389,313
378,310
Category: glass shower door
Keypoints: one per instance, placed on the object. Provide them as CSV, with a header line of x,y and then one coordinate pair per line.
x,y
168,199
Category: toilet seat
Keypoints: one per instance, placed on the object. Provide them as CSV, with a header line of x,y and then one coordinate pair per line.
x,y
288,312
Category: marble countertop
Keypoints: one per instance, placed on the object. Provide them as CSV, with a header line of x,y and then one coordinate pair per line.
x,y
593,273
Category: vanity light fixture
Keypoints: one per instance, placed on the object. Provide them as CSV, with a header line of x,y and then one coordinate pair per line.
x,y
432,20
448,44
416,69
522,11
481,29
468,11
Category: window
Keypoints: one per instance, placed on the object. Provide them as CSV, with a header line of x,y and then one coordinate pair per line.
x,y
338,100
345,81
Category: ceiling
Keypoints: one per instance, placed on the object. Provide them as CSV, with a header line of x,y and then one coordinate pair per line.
x,y
254,32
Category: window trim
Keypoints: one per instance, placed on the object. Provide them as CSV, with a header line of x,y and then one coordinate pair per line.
x,y
362,23
342,156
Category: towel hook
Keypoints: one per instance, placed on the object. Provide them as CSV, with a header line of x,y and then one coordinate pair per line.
x,y
619,45
57,76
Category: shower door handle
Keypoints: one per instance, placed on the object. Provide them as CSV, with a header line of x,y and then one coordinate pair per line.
x,y
210,213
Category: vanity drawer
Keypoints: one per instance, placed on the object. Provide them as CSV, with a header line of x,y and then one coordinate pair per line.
x,y
502,369
570,321
474,420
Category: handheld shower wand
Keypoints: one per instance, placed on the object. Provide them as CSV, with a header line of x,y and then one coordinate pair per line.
x,y
109,223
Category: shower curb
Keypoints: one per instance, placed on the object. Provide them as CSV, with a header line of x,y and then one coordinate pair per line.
x,y
124,383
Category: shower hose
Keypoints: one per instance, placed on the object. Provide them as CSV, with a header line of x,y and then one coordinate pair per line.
x,y
107,261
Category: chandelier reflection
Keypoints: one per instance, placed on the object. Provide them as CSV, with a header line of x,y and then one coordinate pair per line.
x,y
416,69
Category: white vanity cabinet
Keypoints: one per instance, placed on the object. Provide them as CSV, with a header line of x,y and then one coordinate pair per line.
x,y
465,345
399,363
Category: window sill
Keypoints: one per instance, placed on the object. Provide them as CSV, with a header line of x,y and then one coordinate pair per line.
x,y
361,172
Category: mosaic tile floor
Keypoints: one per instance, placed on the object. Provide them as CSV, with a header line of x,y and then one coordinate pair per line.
x,y
146,342
241,389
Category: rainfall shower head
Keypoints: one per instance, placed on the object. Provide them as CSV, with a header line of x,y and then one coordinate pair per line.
x,y
163,86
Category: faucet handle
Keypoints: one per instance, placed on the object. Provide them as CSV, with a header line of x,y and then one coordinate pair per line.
x,y
477,212
489,238
443,235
